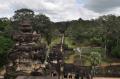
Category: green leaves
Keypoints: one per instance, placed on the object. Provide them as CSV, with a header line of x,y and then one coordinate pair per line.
x,y
5,44
95,58
116,52
23,14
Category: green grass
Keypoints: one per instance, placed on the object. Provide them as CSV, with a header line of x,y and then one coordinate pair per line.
x,y
69,42
55,41
75,56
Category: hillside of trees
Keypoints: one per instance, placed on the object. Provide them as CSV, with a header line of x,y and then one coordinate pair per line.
x,y
101,32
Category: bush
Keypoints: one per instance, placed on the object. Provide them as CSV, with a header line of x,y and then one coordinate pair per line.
x,y
5,44
116,52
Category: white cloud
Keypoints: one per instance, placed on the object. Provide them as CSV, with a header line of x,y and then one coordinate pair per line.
x,y
4,9
115,11
58,10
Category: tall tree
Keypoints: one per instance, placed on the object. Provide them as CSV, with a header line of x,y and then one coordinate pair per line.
x,y
42,24
22,14
111,32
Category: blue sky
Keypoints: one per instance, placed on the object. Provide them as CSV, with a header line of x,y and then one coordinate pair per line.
x,y
63,10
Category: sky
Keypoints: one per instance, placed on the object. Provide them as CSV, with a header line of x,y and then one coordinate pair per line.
x,y
63,10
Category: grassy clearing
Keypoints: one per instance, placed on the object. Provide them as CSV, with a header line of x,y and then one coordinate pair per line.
x,y
85,52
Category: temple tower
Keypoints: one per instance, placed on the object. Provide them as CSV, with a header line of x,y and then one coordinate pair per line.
x,y
28,54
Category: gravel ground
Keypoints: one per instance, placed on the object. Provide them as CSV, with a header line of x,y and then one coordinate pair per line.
x,y
48,77
105,78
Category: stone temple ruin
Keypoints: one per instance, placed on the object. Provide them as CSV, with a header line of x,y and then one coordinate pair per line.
x,y
27,55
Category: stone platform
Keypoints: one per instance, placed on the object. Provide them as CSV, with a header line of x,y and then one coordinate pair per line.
x,y
36,77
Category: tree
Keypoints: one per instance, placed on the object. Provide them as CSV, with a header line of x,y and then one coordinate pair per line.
x,y
5,44
95,59
22,14
4,22
42,24
62,26
116,52
81,31
111,33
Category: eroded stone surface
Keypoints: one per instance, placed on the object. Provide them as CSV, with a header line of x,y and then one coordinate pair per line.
x,y
36,77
